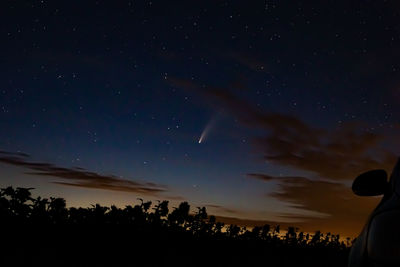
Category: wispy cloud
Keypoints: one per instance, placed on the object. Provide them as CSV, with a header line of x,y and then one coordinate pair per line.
x,y
345,212
221,208
340,153
332,156
79,177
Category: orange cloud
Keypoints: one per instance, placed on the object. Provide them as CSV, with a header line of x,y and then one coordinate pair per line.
x,y
79,177
221,208
345,212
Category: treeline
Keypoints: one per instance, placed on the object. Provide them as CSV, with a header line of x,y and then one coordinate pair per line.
x,y
158,223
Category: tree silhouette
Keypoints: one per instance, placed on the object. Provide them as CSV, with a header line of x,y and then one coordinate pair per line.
x,y
143,222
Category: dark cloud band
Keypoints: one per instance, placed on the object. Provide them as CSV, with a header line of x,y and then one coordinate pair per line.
x,y
79,177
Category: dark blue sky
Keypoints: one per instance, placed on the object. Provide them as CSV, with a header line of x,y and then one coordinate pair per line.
x,y
125,88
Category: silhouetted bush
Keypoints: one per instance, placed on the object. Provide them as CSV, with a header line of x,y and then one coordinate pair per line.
x,y
155,233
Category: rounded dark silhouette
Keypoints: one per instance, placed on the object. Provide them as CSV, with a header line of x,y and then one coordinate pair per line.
x,y
379,241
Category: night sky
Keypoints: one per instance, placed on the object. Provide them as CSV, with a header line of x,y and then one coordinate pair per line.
x,y
258,110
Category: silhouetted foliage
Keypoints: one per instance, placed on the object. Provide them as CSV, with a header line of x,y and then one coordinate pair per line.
x,y
108,227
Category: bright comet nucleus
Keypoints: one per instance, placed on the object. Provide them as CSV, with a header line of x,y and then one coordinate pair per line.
x,y
208,128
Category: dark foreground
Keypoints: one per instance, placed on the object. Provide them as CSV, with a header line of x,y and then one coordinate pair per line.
x,y
41,232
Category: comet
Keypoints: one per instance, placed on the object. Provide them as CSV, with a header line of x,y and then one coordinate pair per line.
x,y
205,132
208,128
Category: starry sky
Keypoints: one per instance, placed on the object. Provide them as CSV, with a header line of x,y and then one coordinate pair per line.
x,y
262,111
